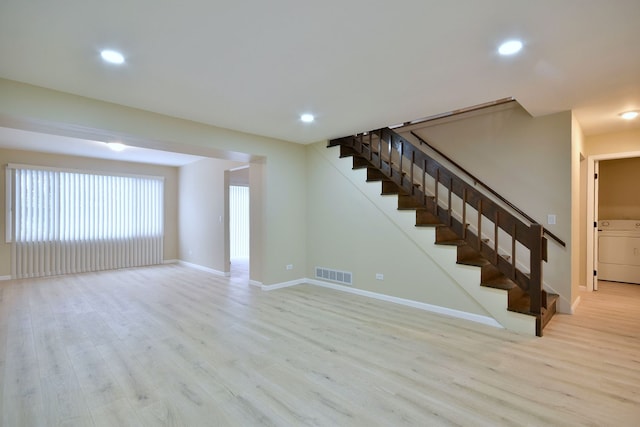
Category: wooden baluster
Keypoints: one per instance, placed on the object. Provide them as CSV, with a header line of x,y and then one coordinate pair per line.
x,y
389,151
401,155
450,208
514,239
370,146
464,213
424,180
535,274
480,224
436,191
413,164
380,149
496,230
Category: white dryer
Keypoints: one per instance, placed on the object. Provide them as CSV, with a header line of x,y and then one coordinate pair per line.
x,y
619,250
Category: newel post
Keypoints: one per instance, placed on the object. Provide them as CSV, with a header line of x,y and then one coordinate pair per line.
x,y
535,290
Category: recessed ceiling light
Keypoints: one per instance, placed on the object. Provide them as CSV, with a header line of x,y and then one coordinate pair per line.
x,y
116,146
629,115
112,56
307,118
510,47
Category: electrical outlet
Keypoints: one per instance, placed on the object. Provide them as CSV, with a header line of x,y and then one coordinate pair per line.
x,y
379,276
551,219
289,267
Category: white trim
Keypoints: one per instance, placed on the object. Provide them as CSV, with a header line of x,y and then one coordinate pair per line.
x,y
485,320
5,278
575,304
255,283
203,268
170,261
582,288
284,284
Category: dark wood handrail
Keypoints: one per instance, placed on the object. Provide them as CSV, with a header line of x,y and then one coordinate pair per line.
x,y
489,189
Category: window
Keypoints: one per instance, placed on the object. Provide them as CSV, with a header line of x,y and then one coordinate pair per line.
x,y
68,221
239,221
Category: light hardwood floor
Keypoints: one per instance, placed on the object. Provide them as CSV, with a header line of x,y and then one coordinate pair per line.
x,y
173,346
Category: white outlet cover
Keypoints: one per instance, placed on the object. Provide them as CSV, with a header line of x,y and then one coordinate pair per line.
x,y
551,219
379,276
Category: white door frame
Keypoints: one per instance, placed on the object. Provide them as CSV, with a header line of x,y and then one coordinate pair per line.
x,y
591,241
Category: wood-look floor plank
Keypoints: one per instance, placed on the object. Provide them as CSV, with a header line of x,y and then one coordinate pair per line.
x,y
173,346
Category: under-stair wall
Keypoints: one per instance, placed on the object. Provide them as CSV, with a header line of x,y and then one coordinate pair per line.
x,y
344,208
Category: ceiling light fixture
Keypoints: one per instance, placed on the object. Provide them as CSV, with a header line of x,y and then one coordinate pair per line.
x,y
307,118
116,146
510,47
112,56
629,115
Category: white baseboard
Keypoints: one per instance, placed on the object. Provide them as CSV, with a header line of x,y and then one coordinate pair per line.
x,y
5,278
255,283
170,261
582,288
203,268
284,284
575,304
485,320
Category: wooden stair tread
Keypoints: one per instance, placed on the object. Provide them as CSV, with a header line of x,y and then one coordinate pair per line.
x,y
453,242
475,261
499,283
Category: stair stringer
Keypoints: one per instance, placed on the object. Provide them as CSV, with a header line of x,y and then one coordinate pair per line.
x,y
493,301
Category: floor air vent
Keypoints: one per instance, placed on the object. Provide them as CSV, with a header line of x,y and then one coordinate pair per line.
x,y
344,277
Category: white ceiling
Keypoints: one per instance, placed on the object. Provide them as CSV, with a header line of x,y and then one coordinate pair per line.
x,y
357,65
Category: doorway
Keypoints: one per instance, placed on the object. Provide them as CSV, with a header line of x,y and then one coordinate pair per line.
x,y
593,214
238,222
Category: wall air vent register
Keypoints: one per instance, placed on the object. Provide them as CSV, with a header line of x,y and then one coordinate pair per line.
x,y
344,277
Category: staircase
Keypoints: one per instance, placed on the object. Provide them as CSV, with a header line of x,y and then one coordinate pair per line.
x,y
508,250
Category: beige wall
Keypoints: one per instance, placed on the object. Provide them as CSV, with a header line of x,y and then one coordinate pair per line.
x,y
619,196
239,177
611,143
170,175
202,213
281,178
529,162
348,232
578,212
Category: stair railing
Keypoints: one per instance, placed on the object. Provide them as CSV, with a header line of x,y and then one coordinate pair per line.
x,y
412,170
488,188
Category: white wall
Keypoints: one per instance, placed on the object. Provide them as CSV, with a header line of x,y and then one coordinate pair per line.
x,y
202,216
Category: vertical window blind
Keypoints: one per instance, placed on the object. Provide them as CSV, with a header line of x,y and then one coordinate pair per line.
x,y
239,221
71,222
